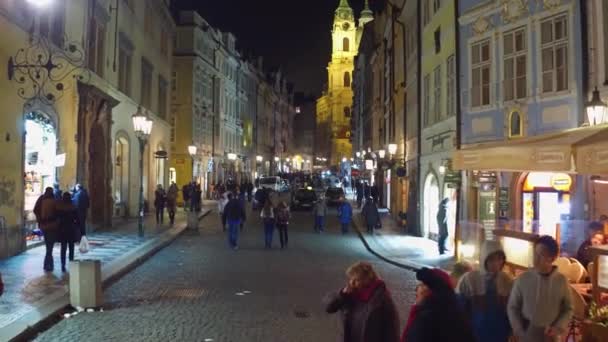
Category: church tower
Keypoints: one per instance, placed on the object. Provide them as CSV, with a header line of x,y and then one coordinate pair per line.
x,y
334,107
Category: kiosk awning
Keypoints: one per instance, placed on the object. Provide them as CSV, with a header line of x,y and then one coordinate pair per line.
x,y
579,150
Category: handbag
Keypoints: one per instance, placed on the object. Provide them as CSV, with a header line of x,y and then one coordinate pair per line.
x,y
84,245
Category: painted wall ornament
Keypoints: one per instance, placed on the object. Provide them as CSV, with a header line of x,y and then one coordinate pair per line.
x,y
511,10
551,4
481,26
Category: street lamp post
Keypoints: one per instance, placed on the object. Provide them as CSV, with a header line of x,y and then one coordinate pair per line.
x,y
142,125
596,109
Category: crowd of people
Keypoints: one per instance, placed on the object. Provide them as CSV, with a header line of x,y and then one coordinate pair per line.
x,y
484,305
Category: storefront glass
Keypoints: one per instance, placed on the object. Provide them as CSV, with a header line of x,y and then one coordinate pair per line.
x,y
545,202
40,160
431,204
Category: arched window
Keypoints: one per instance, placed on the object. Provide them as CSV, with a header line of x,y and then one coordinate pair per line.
x,y
515,124
347,112
346,79
345,44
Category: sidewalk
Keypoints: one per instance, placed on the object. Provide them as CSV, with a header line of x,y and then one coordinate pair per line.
x,y
31,295
391,243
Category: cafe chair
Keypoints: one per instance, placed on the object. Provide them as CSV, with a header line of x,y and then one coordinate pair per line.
x,y
580,307
571,269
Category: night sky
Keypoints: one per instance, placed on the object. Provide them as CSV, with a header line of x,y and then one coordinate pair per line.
x,y
293,34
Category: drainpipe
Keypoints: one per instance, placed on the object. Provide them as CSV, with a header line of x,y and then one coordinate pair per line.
x,y
419,123
580,179
459,192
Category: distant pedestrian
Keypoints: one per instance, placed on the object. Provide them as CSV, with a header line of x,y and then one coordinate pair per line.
x,y
540,304
81,201
367,190
442,224
368,311
485,293
57,191
45,210
320,211
359,190
267,216
197,195
436,315
187,195
282,217
375,193
221,205
234,214
160,199
68,232
249,191
172,202
370,215
345,215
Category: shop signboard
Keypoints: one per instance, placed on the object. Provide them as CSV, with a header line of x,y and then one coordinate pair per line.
x,y
503,202
487,210
452,177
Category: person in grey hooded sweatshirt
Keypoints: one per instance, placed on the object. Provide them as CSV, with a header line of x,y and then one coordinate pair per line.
x,y
540,306
485,293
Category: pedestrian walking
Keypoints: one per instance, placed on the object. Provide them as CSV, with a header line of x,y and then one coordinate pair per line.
x,y
45,210
172,202
442,224
371,216
345,215
485,293
375,193
436,315
57,191
197,195
160,199
249,191
367,190
540,305
359,191
221,205
282,216
187,195
68,232
319,212
234,214
267,216
81,201
368,311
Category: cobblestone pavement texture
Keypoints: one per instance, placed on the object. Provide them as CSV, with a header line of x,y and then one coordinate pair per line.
x,y
28,287
197,289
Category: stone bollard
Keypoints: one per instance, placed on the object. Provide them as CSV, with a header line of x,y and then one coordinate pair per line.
x,y
85,284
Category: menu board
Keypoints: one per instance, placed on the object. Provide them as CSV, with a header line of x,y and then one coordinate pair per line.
x,y
602,271
519,252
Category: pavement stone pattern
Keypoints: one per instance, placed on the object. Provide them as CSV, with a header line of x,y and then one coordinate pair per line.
x,y
28,287
197,289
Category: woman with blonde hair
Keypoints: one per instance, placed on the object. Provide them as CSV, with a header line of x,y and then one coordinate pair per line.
x,y
267,216
368,311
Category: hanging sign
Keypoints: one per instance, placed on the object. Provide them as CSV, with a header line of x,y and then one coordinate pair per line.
x,y
561,182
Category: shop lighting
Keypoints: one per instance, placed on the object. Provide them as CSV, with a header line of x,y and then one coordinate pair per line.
x,y
381,154
596,109
358,154
259,158
392,149
231,156
442,169
276,159
467,251
192,150
344,159
39,3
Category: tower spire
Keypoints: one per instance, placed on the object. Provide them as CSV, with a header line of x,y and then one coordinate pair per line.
x,y
366,15
344,3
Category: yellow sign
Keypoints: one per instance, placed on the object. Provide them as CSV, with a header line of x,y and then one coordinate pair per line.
x,y
561,182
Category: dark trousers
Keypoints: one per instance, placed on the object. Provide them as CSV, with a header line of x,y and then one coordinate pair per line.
x,y
319,223
370,228
49,243
171,215
441,242
160,214
345,227
64,248
82,222
233,233
283,235
268,233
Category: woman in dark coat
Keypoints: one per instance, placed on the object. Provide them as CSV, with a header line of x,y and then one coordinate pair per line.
x,y
437,314
368,311
371,215
69,232
45,210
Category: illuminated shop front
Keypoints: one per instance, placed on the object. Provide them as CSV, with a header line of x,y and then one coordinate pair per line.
x,y
40,160
546,201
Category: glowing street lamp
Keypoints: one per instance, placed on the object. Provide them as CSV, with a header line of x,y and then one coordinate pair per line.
x,y
259,159
344,159
358,154
392,149
142,125
596,109
276,159
381,154
231,156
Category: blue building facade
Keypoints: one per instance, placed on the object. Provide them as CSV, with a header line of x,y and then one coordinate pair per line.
x,y
521,84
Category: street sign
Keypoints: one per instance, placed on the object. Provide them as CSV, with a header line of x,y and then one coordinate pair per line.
x,y
452,177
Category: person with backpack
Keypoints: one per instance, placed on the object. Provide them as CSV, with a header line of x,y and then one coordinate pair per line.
x,y
267,216
283,216
345,214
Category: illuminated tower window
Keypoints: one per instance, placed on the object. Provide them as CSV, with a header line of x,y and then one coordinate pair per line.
x,y
346,79
345,44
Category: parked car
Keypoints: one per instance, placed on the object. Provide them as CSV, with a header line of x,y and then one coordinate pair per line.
x,y
303,198
272,183
333,196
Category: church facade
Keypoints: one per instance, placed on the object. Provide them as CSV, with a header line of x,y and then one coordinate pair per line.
x,y
333,108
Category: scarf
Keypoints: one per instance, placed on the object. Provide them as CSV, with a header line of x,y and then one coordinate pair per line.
x,y
366,293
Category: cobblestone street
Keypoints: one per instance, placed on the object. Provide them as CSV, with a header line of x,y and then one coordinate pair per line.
x,y
197,289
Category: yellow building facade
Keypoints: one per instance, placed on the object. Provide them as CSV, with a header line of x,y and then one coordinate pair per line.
x,y
335,106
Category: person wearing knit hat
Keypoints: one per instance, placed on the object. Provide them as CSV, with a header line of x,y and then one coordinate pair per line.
x,y
436,315
485,293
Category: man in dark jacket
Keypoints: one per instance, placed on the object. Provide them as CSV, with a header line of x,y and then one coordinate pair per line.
x,y
80,199
370,215
375,193
234,214
69,233
186,195
368,311
442,224
45,210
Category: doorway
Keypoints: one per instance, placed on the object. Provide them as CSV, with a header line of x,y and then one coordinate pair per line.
x,y
121,173
431,205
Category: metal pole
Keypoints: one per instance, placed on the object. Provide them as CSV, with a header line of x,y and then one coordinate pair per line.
x,y
140,219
